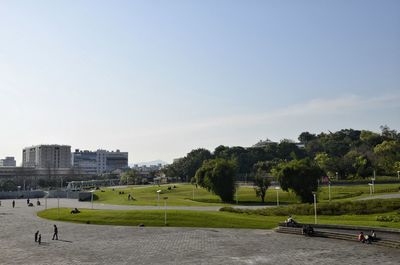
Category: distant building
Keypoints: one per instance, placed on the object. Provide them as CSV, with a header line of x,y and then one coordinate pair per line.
x,y
100,161
9,161
47,156
265,143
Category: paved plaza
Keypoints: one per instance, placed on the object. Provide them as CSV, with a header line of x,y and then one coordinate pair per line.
x,y
98,244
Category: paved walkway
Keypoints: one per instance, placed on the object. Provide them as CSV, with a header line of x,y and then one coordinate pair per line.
x,y
98,244
383,196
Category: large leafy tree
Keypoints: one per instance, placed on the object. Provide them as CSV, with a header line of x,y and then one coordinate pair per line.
x,y
218,176
130,177
261,184
300,176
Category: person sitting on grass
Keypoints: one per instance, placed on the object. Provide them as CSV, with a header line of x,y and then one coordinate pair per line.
x,y
75,211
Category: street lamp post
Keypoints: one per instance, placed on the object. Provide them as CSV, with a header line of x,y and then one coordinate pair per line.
x,y
315,207
370,189
373,182
165,210
158,197
91,198
277,195
329,190
337,176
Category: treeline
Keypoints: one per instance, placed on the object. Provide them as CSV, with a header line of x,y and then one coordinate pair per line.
x,y
347,154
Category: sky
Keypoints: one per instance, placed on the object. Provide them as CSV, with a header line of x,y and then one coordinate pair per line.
x,y
160,78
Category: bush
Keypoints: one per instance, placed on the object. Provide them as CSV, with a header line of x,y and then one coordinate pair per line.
x,y
336,208
388,218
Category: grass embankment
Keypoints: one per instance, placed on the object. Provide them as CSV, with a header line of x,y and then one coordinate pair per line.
x,y
180,218
175,218
182,195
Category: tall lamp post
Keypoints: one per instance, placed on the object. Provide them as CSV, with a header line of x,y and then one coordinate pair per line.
x,y
398,174
337,176
370,188
165,210
329,190
315,207
277,195
373,182
158,197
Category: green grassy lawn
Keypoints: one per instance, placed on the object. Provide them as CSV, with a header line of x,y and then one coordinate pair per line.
x,y
175,218
180,218
183,195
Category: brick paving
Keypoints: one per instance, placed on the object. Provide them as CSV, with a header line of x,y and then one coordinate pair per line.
x,y
98,244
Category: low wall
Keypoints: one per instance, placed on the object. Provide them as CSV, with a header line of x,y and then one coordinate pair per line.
x,y
22,194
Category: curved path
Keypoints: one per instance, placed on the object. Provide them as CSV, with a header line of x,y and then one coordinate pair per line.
x,y
383,196
99,244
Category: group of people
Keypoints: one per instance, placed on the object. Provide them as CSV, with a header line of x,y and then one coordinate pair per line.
x,y
38,236
367,238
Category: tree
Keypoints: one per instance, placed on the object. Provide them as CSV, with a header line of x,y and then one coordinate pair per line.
x,y
301,176
218,177
306,137
387,154
130,177
261,184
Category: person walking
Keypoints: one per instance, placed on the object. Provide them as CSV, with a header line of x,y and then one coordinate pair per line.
x,y
36,235
40,239
55,235
13,203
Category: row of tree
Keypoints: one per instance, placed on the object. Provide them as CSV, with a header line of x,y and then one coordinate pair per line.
x,y
297,166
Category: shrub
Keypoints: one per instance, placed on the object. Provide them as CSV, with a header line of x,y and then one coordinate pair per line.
x,y
336,208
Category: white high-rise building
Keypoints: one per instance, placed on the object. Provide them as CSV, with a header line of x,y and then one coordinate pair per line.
x,y
47,156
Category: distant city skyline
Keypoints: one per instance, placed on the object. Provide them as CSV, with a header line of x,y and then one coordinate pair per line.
x,y
160,78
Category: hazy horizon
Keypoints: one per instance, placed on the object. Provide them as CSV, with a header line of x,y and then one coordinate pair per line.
x,y
160,78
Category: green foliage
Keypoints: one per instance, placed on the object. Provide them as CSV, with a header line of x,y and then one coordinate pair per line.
x,y
388,218
337,208
130,177
218,176
185,168
261,184
301,176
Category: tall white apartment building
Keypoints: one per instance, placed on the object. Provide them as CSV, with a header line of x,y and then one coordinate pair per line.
x,y
47,156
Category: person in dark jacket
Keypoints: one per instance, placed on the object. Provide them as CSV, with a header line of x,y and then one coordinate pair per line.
x,y
55,235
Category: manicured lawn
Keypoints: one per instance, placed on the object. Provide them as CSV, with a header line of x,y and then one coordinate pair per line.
x,y
182,195
180,218
175,218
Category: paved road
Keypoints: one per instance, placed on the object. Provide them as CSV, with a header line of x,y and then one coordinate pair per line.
x,y
383,196
97,244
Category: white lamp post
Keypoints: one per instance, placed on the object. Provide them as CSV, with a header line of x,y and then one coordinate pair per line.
x,y
158,197
329,190
337,176
315,207
398,174
91,198
370,188
165,210
373,182
277,195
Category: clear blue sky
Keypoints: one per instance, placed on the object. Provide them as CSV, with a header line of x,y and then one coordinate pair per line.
x,y
160,78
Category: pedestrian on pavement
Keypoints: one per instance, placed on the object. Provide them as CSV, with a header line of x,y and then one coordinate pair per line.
x,y
13,203
55,235
27,201
40,239
36,235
